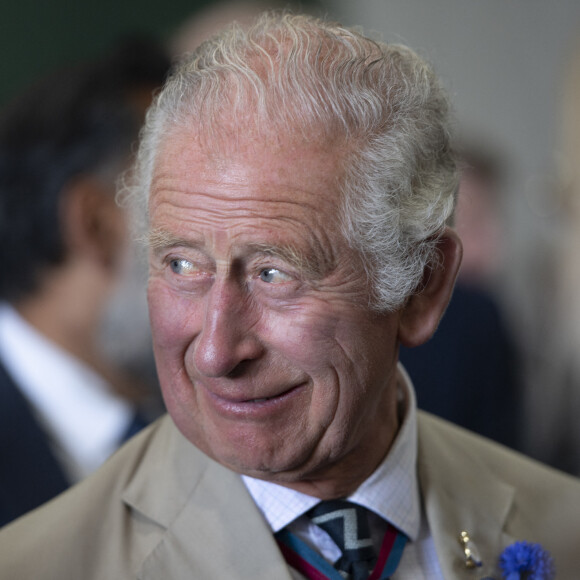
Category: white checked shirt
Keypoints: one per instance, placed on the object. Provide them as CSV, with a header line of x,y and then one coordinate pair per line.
x,y
391,491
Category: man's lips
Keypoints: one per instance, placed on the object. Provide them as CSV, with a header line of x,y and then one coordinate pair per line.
x,y
233,403
237,395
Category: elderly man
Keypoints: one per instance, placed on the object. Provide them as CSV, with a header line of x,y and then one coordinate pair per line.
x,y
298,179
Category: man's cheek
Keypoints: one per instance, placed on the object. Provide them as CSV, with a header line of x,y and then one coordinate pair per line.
x,y
306,341
174,317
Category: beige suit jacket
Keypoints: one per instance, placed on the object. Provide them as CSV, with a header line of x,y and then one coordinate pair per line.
x,y
161,510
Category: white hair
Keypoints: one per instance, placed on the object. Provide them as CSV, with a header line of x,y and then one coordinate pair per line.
x,y
297,73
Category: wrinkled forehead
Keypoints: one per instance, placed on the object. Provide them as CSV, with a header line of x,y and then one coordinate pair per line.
x,y
244,161
237,129
242,136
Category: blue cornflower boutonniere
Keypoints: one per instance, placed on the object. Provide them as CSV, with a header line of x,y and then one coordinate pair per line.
x,y
526,561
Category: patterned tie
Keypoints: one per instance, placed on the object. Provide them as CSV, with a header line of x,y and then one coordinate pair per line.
x,y
347,524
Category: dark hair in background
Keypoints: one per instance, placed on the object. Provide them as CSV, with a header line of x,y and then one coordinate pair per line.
x,y
76,121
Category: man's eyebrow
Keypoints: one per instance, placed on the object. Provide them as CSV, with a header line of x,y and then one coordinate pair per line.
x,y
292,256
159,239
312,267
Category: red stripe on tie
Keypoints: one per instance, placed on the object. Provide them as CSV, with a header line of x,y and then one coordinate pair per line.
x,y
300,564
386,548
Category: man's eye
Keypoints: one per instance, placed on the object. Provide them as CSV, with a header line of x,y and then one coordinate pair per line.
x,y
273,276
182,267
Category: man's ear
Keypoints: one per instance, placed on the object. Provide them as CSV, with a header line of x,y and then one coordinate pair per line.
x,y
421,314
93,225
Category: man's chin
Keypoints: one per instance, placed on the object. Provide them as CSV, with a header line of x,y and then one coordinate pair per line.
x,y
271,467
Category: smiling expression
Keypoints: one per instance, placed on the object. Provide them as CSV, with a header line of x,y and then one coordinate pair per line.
x,y
269,358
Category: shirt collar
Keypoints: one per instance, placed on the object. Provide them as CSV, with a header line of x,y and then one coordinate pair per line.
x,y
392,491
84,420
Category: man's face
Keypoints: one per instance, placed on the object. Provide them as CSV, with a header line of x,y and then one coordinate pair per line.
x,y
269,359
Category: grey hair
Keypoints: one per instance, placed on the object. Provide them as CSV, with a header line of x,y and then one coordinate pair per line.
x,y
381,101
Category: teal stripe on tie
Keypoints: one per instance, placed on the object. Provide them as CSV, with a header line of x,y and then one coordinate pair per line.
x,y
395,556
309,557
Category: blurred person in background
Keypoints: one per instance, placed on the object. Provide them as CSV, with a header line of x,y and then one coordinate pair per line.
x,y
65,406
469,372
478,218
553,402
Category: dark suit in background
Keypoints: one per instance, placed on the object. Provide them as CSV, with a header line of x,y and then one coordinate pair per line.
x,y
30,474
467,373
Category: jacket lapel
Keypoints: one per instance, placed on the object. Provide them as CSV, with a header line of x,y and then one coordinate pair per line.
x,y
460,494
208,525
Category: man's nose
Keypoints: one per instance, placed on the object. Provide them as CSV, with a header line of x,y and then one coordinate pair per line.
x,y
227,337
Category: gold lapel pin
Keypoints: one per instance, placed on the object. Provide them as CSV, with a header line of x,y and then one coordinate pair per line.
x,y
472,558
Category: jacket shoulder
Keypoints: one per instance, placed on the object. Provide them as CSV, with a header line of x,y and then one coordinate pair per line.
x,y
88,531
469,482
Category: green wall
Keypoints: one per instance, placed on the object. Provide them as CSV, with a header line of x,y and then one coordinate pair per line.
x,y
36,36
39,35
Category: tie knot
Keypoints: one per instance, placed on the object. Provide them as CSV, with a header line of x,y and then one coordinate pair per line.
x,y
347,524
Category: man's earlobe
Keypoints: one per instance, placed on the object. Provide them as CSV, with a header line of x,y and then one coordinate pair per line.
x,y
423,311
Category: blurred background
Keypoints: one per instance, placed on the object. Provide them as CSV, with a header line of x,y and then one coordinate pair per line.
x,y
513,72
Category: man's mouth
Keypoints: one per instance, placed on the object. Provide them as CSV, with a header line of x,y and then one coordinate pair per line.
x,y
234,405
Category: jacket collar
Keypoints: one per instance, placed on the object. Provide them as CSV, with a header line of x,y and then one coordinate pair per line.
x,y
205,519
